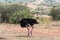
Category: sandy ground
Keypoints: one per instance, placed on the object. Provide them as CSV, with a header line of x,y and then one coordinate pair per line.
x,y
15,32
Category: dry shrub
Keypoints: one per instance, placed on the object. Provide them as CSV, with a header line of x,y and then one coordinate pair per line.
x,y
45,20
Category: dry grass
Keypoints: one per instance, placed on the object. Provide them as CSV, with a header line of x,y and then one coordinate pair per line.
x,y
15,32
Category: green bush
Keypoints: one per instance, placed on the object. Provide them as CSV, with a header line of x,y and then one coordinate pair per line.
x,y
14,18
14,12
55,13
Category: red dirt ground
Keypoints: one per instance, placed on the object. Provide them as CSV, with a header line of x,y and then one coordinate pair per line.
x,y
15,32
17,28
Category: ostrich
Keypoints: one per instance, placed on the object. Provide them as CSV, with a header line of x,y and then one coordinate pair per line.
x,y
28,23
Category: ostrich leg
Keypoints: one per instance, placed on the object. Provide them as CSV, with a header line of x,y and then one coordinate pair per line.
x,y
28,31
31,30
